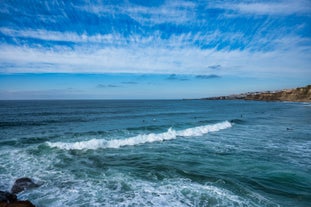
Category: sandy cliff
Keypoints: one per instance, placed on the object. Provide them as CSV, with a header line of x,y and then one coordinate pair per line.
x,y
302,94
298,94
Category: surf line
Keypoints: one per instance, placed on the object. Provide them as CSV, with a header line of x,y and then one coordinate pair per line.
x,y
140,139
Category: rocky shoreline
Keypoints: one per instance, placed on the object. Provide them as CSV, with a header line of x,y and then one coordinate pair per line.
x,y
9,199
301,94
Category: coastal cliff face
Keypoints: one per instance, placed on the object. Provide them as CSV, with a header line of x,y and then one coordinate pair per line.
x,y
302,94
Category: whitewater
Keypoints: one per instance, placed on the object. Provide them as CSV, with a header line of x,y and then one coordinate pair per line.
x,y
141,139
157,153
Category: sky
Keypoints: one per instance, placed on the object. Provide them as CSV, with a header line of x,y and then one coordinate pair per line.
x,y
155,49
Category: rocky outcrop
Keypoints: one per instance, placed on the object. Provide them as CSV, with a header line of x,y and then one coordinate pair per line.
x,y
302,94
22,184
9,199
17,204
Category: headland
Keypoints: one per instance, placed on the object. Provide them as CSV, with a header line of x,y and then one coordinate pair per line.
x,y
301,94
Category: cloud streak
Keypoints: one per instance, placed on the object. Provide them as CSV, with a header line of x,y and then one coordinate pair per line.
x,y
173,12
42,34
154,60
285,7
176,12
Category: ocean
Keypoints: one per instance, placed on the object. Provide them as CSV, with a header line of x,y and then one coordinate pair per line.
x,y
158,152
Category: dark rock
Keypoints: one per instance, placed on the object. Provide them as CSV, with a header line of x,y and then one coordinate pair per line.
x,y
22,184
10,199
7,197
17,204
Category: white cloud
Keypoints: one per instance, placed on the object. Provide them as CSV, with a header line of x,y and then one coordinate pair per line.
x,y
99,41
175,12
133,59
61,36
284,7
154,40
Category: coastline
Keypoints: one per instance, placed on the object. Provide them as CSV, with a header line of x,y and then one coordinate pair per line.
x,y
301,94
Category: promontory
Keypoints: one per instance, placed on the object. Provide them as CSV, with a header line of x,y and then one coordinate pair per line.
x,y
301,94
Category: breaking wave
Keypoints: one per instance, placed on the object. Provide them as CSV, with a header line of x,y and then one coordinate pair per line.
x,y
141,139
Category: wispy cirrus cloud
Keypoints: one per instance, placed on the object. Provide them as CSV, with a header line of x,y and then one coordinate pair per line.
x,y
156,60
42,34
283,7
94,41
174,12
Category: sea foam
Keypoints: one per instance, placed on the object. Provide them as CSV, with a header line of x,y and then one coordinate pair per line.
x,y
140,139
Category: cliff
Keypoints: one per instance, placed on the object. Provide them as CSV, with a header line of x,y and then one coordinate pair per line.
x,y
302,94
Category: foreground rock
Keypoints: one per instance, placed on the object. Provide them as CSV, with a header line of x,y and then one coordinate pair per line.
x,y
302,94
17,204
9,199
22,184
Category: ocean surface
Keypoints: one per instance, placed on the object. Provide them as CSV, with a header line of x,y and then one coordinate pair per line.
x,y
158,153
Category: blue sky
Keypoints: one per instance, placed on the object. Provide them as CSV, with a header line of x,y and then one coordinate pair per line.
x,y
137,49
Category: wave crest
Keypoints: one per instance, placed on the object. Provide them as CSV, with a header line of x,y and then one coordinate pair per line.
x,y
140,139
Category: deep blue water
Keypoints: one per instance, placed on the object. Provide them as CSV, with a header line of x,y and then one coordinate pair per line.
x,y
158,153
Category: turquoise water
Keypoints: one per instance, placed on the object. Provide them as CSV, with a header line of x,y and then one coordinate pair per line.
x,y
158,153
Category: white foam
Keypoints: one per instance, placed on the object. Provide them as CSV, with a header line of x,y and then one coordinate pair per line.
x,y
201,130
141,139
119,189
